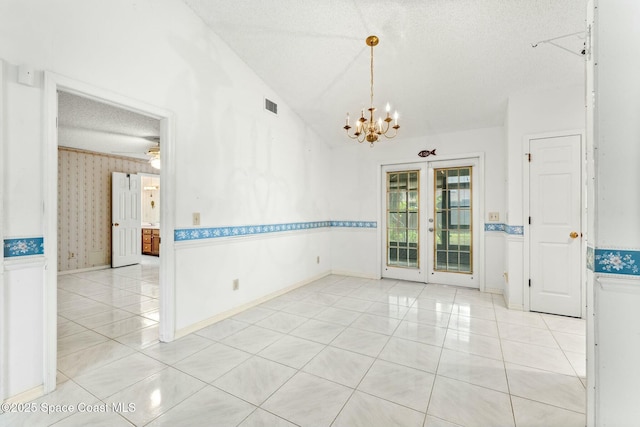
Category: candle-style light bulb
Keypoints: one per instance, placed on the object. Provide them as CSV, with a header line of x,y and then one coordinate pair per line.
x,y
347,119
395,117
388,107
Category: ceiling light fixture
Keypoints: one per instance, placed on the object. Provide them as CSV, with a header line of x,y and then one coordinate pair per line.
x,y
154,152
370,128
155,162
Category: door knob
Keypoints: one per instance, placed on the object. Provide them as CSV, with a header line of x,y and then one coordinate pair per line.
x,y
431,229
573,234
116,225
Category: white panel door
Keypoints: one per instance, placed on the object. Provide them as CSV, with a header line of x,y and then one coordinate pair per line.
x,y
453,229
555,230
126,210
403,237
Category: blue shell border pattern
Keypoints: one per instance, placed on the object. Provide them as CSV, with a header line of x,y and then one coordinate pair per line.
x,y
186,234
26,246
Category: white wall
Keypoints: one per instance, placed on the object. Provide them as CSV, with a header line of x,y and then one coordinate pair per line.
x,y
236,164
543,110
23,315
264,266
356,191
613,369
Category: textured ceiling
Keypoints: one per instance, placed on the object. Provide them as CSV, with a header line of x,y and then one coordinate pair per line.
x,y
89,125
444,64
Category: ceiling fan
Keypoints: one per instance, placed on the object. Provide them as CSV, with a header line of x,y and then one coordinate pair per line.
x,y
153,152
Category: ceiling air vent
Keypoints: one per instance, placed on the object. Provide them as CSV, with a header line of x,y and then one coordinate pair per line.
x,y
271,106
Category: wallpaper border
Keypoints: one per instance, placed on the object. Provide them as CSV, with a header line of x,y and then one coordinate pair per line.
x,y
516,230
25,246
186,234
615,261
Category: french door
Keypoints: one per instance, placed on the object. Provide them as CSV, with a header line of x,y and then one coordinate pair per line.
x,y
453,229
404,204
431,222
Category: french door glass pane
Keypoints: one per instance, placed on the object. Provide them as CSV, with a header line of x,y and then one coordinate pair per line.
x,y
403,213
453,225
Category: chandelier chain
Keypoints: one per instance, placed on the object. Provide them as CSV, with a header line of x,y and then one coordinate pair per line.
x,y
372,75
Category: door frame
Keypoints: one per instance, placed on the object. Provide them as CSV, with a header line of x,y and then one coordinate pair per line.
x,y
2,301
381,208
526,212
52,83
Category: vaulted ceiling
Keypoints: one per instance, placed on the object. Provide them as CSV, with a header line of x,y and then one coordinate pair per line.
x,y
443,64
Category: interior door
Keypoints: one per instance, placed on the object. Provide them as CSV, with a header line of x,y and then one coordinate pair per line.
x,y
453,223
555,230
126,212
402,223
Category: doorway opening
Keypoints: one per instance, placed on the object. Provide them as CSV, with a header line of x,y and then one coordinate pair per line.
x,y
55,84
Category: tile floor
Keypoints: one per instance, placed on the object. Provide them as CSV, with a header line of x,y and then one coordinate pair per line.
x,y
340,351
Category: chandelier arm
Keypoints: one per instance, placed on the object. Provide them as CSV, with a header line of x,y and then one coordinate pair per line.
x,y
386,128
360,137
392,136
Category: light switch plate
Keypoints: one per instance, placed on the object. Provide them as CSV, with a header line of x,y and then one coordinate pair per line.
x,y
196,218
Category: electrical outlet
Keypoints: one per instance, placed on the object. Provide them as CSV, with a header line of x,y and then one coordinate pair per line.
x,y
196,218
236,284
318,260
72,255
494,216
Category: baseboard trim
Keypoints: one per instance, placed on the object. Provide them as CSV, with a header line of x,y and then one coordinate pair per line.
x,y
84,270
26,396
518,307
226,314
496,291
355,274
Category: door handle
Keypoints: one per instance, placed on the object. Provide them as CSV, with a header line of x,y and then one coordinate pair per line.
x,y
573,234
116,225
431,229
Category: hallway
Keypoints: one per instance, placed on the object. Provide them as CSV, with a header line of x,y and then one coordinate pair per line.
x,y
341,351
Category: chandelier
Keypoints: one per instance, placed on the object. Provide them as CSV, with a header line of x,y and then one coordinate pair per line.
x,y
368,127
